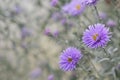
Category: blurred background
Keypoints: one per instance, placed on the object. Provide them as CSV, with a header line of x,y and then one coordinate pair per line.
x,y
33,34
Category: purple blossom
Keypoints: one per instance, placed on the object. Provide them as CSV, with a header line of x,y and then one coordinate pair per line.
x,y
96,35
90,2
75,7
69,59
54,2
51,77
111,23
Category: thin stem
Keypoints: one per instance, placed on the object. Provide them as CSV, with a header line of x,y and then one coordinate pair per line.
x,y
108,55
88,18
97,14
105,51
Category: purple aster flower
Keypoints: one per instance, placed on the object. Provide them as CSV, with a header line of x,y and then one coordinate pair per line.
x,y
75,7
51,77
69,59
54,2
111,23
96,35
90,2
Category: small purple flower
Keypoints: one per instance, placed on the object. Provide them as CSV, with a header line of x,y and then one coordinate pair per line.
x,y
96,35
111,23
75,7
54,2
90,2
69,59
35,73
51,77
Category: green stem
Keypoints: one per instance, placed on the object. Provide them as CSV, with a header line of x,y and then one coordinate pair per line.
x,y
107,54
97,14
88,18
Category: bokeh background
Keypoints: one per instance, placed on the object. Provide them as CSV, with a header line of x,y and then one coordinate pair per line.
x,y
32,38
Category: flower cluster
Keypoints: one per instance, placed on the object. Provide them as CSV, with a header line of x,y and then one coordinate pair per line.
x,y
96,36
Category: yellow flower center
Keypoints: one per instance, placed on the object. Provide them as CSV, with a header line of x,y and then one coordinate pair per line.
x,y
69,59
95,37
78,7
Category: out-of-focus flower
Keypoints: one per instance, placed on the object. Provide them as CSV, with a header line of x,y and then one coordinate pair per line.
x,y
17,9
96,35
51,77
69,59
111,23
60,17
102,15
35,73
25,32
54,2
89,2
57,16
55,33
75,7
63,21
47,31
